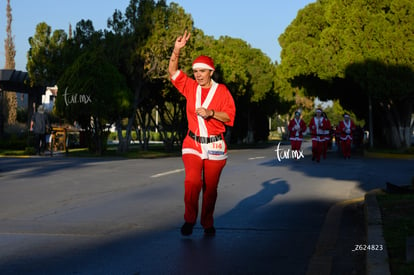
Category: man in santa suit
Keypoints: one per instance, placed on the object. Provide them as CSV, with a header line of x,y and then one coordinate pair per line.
x,y
296,129
317,127
210,108
346,127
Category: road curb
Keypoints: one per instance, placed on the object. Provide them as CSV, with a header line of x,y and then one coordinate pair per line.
x,y
376,261
322,258
387,155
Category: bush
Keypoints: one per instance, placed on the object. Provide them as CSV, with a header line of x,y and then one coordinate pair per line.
x,y
113,136
410,150
14,142
22,115
155,136
29,151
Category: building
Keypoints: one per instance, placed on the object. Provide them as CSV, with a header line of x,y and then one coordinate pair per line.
x,y
48,99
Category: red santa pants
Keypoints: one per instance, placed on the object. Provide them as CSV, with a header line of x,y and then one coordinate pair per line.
x,y
317,147
296,144
325,148
201,174
346,147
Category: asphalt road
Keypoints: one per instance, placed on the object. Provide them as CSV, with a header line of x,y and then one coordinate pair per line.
x,y
63,215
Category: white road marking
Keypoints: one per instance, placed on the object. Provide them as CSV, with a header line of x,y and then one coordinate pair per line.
x,y
256,158
167,173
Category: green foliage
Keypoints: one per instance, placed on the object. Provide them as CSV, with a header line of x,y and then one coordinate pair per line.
x,y
397,211
14,142
88,85
29,151
22,115
350,50
44,56
93,88
123,71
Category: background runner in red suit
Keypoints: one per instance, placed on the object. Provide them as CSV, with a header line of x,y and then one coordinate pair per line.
x,y
317,127
327,135
346,127
296,129
210,107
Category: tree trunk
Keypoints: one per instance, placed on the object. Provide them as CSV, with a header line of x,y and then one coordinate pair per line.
x,y
122,142
123,145
11,108
398,124
250,127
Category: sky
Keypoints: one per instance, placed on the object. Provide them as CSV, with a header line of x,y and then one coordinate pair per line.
x,y
258,22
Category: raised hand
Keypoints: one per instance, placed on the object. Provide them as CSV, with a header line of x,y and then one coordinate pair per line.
x,y
181,41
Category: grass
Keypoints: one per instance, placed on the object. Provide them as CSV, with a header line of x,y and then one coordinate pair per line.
x,y
154,151
398,223
13,153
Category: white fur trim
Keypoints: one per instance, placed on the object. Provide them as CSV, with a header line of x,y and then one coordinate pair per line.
x,y
202,66
177,73
192,151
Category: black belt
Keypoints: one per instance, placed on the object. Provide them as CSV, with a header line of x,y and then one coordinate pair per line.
x,y
204,139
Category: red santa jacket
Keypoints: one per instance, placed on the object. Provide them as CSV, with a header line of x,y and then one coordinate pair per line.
x,y
296,128
346,129
317,128
218,98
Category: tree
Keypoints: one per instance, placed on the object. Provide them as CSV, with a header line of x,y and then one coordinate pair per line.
x,y
94,94
145,34
9,107
44,58
354,49
249,74
169,22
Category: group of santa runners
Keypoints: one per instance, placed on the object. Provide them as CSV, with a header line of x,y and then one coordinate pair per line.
x,y
321,131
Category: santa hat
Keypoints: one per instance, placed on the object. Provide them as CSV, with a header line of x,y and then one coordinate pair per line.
x,y
346,116
203,62
319,110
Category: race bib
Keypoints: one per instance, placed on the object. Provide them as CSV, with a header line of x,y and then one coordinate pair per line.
x,y
216,148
